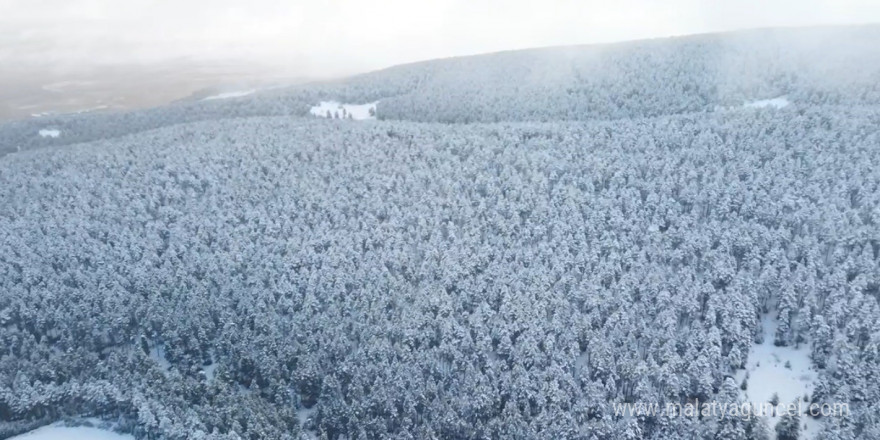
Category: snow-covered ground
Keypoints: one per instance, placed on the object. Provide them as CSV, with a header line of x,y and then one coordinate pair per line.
x,y
228,95
304,414
157,353
54,432
50,132
768,375
778,102
77,112
333,109
93,109
210,370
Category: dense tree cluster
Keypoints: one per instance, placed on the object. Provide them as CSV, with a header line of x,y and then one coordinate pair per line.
x,y
611,228
77,128
283,278
643,78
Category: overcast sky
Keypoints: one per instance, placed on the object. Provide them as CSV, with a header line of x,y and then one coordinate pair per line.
x,y
332,37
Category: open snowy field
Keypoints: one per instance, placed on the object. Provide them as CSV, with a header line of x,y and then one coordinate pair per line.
x,y
336,110
49,132
71,433
230,95
779,102
784,374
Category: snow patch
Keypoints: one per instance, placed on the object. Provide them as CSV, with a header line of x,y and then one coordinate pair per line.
x,y
50,132
157,353
303,415
210,370
71,433
581,366
228,95
784,371
336,110
93,109
779,102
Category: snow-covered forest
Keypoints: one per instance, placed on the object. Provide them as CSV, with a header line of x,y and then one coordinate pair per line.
x,y
513,248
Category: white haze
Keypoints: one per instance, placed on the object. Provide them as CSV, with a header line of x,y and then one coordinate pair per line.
x,y
335,37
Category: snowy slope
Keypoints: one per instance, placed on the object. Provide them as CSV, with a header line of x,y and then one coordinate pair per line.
x,y
71,433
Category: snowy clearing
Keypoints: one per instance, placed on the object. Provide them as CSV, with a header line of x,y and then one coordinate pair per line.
x,y
228,95
333,109
769,374
778,102
303,415
157,353
71,433
93,109
50,132
210,370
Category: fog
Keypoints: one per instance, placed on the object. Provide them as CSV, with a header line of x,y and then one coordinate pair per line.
x,y
337,37
67,56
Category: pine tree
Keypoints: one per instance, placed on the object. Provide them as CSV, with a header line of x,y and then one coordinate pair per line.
x,y
789,425
822,338
757,429
785,310
731,426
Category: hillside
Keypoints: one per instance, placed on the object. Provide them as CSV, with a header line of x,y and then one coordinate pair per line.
x,y
522,244
635,79
702,73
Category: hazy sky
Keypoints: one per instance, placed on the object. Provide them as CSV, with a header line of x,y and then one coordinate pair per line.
x,y
331,37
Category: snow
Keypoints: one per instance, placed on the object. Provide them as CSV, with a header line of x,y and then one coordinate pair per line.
x,y
50,132
93,109
303,415
582,363
71,433
768,375
357,111
778,102
210,372
157,353
228,95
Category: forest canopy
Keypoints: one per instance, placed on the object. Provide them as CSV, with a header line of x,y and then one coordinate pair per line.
x,y
493,259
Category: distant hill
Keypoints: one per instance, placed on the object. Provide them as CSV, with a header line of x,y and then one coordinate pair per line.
x,y
822,65
647,78
648,226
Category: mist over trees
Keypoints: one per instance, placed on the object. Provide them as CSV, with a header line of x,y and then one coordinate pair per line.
x,y
237,270
701,73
